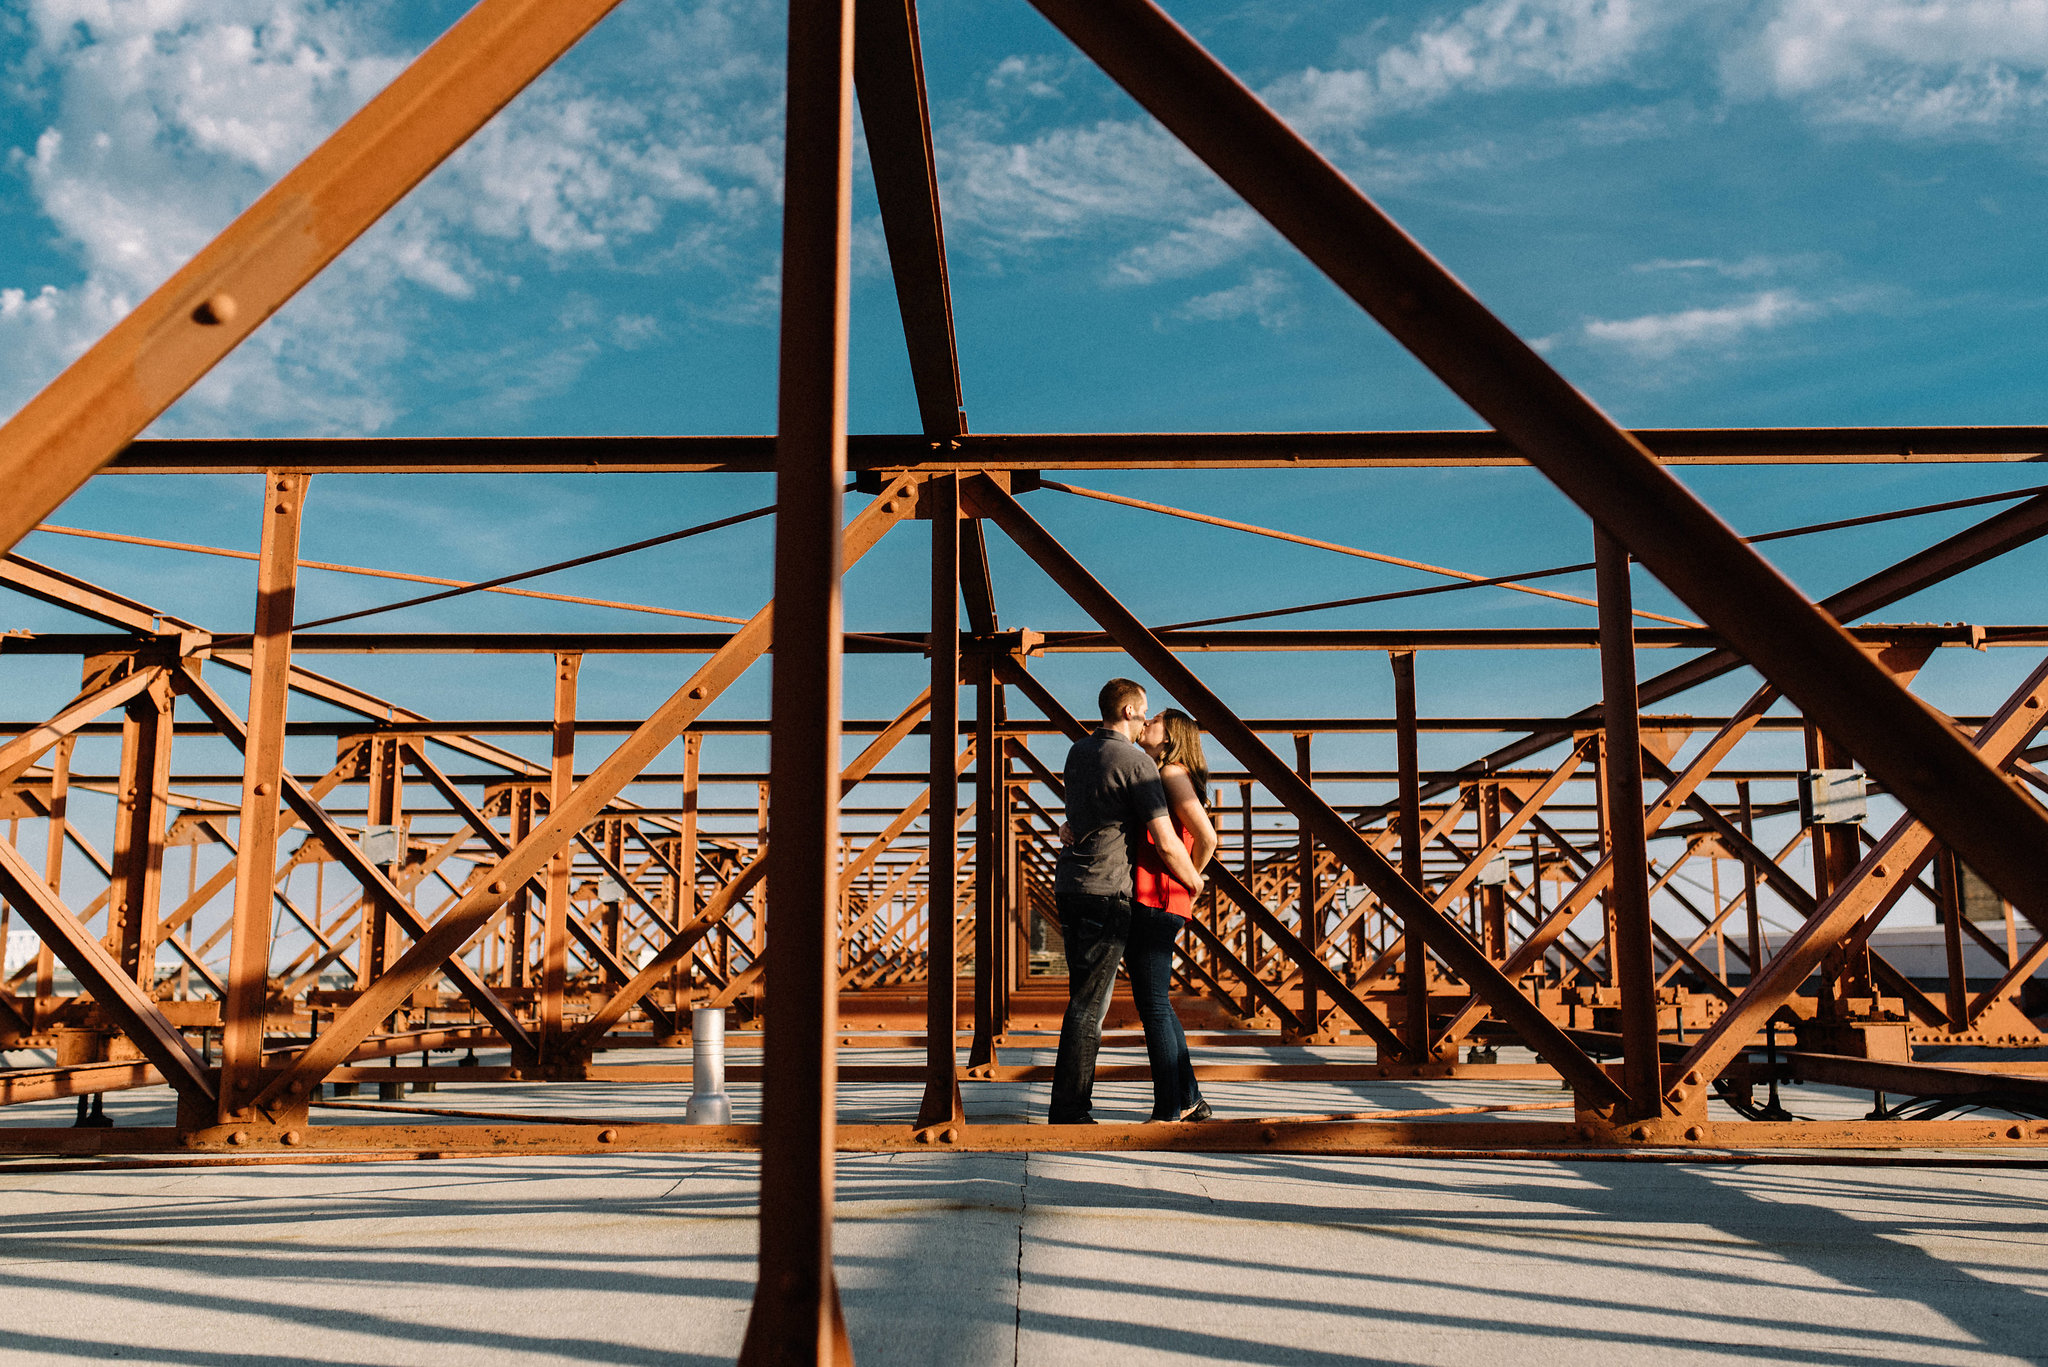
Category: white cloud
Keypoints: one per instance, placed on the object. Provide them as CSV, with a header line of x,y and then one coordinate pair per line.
x,y
1033,76
1747,268
1503,43
1070,182
1655,335
1131,185
1265,295
1208,242
1918,66
169,115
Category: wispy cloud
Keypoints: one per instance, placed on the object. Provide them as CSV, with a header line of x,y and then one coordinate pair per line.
x,y
1504,43
1751,267
169,115
1657,335
1921,67
1265,295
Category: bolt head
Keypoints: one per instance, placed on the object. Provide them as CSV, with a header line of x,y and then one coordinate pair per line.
x,y
216,310
293,1138
607,1136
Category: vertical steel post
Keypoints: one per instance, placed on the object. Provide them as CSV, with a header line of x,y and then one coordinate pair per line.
x,y
270,664
1948,884
519,910
142,803
796,1316
685,909
554,977
941,1103
1746,814
987,860
1493,905
53,874
1633,956
1251,932
381,809
1415,965
1305,881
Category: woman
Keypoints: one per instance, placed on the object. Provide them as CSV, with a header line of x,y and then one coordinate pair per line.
x,y
1162,907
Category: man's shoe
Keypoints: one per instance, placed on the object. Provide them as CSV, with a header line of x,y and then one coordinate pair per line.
x,y
1200,1113
1072,1120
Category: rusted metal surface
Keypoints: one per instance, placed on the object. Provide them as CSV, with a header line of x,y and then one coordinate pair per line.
x,y
1062,451
796,1316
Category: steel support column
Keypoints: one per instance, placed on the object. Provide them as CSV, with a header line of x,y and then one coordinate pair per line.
x,y
1415,966
1631,953
796,1317
142,808
941,1103
555,936
270,667
988,872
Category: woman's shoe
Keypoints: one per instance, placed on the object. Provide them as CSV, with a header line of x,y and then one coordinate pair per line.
x,y
1199,1113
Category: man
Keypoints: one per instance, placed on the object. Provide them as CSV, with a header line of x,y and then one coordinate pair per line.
x,y
1115,802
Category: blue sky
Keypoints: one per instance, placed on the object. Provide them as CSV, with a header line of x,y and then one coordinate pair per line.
x,y
1746,212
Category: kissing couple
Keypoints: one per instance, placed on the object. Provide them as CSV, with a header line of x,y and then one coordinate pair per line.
x,y
1138,835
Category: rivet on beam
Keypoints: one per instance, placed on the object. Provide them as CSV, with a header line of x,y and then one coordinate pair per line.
x,y
215,310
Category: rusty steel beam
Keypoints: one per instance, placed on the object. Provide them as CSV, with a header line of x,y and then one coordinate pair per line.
x,y
83,418
249,942
940,1105
18,755
888,73
554,943
1955,635
796,1316
66,591
963,453
1632,959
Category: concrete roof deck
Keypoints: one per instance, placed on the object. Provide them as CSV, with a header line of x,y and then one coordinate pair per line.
x,y
1054,1259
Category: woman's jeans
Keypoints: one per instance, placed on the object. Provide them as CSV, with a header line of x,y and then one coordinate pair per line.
x,y
1148,958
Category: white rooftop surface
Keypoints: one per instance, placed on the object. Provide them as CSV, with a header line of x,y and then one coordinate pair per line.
x,y
1052,1259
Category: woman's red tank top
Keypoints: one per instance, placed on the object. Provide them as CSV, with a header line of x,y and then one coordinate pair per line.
x,y
1154,887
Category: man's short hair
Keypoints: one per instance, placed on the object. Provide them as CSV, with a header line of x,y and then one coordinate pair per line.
x,y
1118,694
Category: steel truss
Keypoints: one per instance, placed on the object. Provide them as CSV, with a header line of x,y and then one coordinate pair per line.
x,y
580,919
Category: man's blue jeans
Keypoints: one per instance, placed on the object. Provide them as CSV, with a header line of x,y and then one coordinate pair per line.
x,y
1095,929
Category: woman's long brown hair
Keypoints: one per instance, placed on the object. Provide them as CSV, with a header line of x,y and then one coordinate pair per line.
x,y
1184,747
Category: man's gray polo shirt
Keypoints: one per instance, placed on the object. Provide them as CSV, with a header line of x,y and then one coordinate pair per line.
x,y
1113,793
